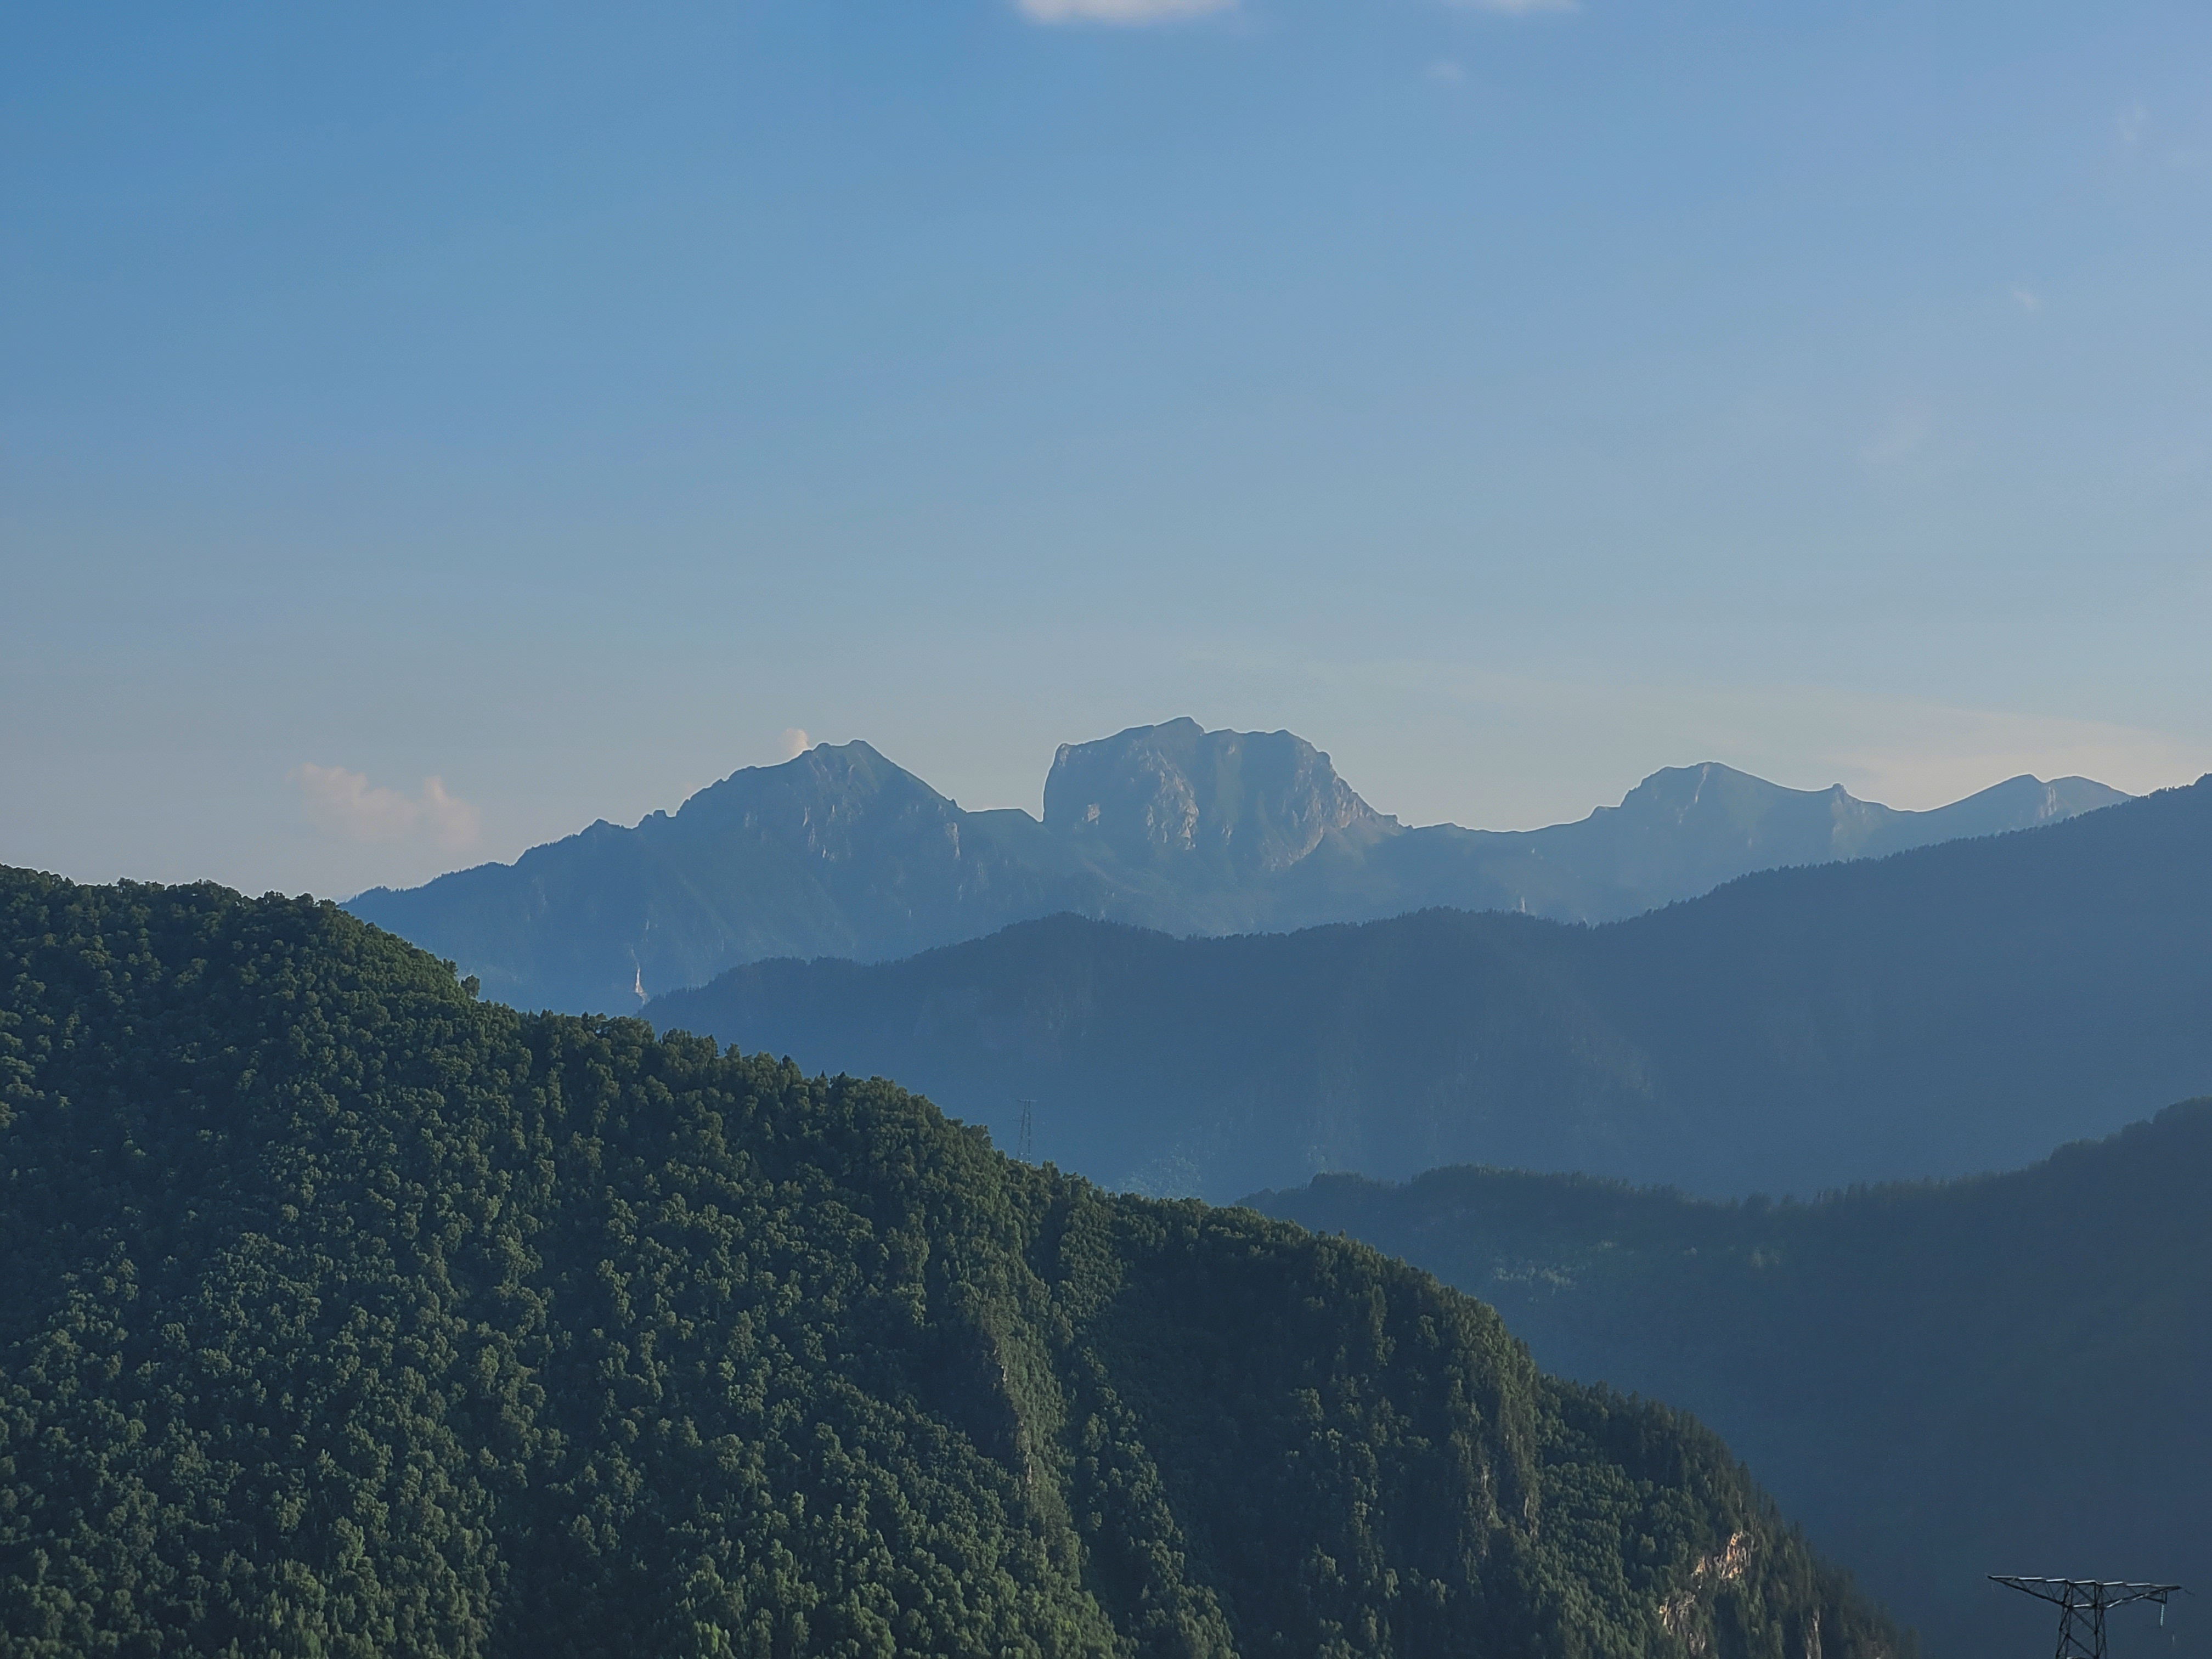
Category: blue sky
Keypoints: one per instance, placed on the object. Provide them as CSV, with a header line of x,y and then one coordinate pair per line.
x,y
568,407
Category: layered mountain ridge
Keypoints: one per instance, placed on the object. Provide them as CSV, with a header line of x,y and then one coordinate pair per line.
x,y
1893,1360
1963,1006
841,852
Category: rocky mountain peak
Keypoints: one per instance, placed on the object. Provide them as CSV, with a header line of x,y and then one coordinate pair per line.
x,y
1246,801
833,799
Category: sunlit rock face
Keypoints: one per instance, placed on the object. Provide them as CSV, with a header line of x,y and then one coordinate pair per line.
x,y
1237,803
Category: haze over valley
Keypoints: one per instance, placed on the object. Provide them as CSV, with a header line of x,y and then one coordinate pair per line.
x,y
1961,1007
1882,1356
1106,829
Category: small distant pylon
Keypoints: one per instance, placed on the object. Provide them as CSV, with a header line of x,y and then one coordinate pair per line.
x,y
1026,1145
2082,1605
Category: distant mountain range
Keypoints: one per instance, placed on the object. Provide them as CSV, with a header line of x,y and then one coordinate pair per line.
x,y
839,853
1959,1007
2005,1374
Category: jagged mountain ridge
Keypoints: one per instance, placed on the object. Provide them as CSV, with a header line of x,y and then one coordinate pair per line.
x,y
1963,1006
839,853
836,852
1237,804
1894,1361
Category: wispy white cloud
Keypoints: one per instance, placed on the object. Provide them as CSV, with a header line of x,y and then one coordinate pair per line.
x,y
1445,72
2145,138
2027,299
1518,8
795,742
346,803
1124,13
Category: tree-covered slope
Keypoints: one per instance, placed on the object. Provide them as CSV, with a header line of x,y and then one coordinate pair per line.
x,y
2006,1374
346,1313
1959,1007
838,853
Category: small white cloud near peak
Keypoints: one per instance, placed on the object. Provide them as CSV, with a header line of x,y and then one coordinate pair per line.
x,y
2027,299
795,742
346,804
1518,8
1445,73
1122,13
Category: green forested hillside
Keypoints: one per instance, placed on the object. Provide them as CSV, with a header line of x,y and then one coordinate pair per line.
x,y
1954,1008
347,1314
2007,1374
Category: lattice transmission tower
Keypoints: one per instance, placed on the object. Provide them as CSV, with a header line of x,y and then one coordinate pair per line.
x,y
1028,1139
2082,1605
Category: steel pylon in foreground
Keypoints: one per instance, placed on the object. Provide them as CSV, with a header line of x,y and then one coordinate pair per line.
x,y
2083,1604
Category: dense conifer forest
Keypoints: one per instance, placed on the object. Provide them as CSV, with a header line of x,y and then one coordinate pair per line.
x,y
348,1314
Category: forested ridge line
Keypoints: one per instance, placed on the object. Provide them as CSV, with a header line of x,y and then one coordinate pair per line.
x,y
347,1314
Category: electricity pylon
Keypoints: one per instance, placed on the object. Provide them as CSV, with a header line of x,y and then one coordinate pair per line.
x,y
1028,1126
2082,1605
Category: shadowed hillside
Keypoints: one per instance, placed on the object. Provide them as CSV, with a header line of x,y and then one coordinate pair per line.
x,y
1958,1008
2003,1374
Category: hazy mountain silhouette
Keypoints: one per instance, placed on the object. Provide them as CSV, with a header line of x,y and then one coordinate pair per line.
x,y
1955,1008
1939,1381
842,853
838,853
